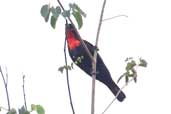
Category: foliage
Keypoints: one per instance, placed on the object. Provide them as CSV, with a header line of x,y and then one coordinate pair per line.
x,y
55,12
38,108
64,67
130,68
23,110
12,111
70,67
34,108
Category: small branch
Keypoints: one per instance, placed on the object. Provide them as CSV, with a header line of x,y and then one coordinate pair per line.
x,y
67,76
3,108
24,94
6,87
114,17
61,5
6,75
100,23
94,62
117,95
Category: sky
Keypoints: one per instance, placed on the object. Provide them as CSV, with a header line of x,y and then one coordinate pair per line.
x,y
31,47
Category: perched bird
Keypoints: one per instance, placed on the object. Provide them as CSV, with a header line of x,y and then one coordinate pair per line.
x,y
82,60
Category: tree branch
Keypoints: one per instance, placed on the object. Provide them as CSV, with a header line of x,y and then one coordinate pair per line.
x,y
114,17
95,58
6,88
118,94
67,76
24,94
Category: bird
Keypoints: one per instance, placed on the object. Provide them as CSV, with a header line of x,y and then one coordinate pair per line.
x,y
79,56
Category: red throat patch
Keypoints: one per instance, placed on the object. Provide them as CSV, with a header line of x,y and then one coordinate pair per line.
x,y
72,41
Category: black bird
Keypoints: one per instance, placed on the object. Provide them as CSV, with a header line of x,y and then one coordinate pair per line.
x,y
81,58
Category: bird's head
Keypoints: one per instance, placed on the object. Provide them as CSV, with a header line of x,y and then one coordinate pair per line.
x,y
71,30
72,37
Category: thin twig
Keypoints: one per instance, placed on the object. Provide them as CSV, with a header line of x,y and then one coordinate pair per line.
x,y
24,94
6,87
67,76
118,94
95,58
100,23
3,108
114,17
6,75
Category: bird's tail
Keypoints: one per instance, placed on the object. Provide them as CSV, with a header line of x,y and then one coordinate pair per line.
x,y
116,90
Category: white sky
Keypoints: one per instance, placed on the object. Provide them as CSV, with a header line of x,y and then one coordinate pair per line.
x,y
29,45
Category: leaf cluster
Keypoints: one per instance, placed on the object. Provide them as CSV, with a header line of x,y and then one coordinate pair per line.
x,y
38,108
130,68
65,67
70,67
55,12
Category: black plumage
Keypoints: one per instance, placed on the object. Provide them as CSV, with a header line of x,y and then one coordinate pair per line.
x,y
79,55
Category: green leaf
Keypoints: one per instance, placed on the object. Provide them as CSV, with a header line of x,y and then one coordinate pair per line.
x,y
75,7
26,112
130,73
71,5
45,11
78,18
61,69
66,13
128,58
143,63
55,14
12,111
68,67
40,109
56,11
23,110
130,65
53,21
33,107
